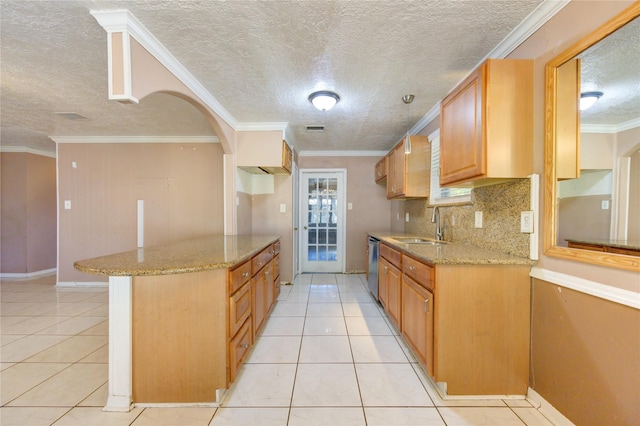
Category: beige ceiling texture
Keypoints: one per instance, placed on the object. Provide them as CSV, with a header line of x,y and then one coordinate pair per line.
x,y
259,59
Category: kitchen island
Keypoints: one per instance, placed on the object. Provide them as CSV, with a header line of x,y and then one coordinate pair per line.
x,y
182,316
463,310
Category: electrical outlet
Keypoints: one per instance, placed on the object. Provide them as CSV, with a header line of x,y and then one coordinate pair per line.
x,y
406,217
526,222
67,204
478,221
605,205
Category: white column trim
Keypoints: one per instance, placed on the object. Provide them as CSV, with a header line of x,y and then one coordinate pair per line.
x,y
607,292
120,344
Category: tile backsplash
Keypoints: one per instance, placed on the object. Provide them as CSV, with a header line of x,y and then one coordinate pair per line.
x,y
500,205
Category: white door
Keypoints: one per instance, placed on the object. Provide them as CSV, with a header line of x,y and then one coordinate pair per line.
x,y
322,218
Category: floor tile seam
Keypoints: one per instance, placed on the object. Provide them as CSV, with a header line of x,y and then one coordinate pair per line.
x,y
38,384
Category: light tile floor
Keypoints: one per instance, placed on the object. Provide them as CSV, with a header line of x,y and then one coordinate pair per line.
x,y
326,356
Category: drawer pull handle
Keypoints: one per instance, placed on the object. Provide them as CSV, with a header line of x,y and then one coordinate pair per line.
x,y
245,274
426,305
412,268
244,346
260,264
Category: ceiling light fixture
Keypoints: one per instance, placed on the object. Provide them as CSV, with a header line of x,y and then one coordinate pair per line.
x,y
587,99
407,99
324,100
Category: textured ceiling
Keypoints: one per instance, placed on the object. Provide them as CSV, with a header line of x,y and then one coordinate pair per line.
x,y
259,59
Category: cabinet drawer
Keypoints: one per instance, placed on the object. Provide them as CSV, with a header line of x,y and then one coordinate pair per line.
x,y
239,308
261,259
239,276
238,348
392,255
420,272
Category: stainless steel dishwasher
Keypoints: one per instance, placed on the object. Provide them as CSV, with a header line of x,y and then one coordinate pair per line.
x,y
374,251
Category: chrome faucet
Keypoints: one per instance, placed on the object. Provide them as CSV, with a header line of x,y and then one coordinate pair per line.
x,y
435,218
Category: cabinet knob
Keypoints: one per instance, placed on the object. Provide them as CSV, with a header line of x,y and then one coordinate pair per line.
x,y
245,346
245,274
260,264
412,268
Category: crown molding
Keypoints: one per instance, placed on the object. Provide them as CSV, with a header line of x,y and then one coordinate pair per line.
x,y
342,153
134,139
27,150
536,19
610,128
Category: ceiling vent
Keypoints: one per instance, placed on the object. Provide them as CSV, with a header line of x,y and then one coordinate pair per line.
x,y
71,116
313,128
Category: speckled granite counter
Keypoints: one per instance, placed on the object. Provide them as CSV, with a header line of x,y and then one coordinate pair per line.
x,y
200,254
451,253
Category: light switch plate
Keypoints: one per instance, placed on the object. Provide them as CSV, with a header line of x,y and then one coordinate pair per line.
x,y
67,204
526,222
283,208
349,206
406,217
478,221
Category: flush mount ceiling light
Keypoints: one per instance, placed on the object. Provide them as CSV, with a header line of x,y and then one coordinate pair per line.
x,y
324,100
587,99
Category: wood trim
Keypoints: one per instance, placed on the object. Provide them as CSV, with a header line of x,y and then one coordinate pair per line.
x,y
613,260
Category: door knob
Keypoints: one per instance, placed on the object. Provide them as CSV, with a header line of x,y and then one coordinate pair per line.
x,y
305,227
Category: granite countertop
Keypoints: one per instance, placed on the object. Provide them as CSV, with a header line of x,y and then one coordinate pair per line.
x,y
451,253
199,254
625,244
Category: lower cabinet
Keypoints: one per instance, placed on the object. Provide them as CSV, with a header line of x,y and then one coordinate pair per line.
x,y
468,325
389,281
417,321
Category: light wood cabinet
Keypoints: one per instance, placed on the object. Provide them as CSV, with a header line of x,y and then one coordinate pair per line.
x,y
263,287
389,283
468,325
409,175
486,125
417,321
380,172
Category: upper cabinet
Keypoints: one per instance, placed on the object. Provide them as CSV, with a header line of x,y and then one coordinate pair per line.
x,y
486,128
264,152
381,170
409,175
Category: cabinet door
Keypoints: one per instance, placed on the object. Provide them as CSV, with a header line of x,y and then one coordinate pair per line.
x,y
417,321
394,297
461,138
400,175
270,293
381,170
383,267
391,174
259,287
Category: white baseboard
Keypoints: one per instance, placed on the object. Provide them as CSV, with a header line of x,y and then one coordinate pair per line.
x,y
547,410
81,284
28,275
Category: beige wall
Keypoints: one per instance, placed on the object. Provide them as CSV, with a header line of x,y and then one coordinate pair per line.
x,y
181,184
28,198
371,209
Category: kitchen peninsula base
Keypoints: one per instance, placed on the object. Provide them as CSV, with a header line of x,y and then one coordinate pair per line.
x,y
183,316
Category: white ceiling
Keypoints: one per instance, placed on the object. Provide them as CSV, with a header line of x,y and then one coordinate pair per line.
x,y
259,59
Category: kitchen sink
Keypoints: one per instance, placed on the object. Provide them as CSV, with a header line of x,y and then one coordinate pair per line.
x,y
417,240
